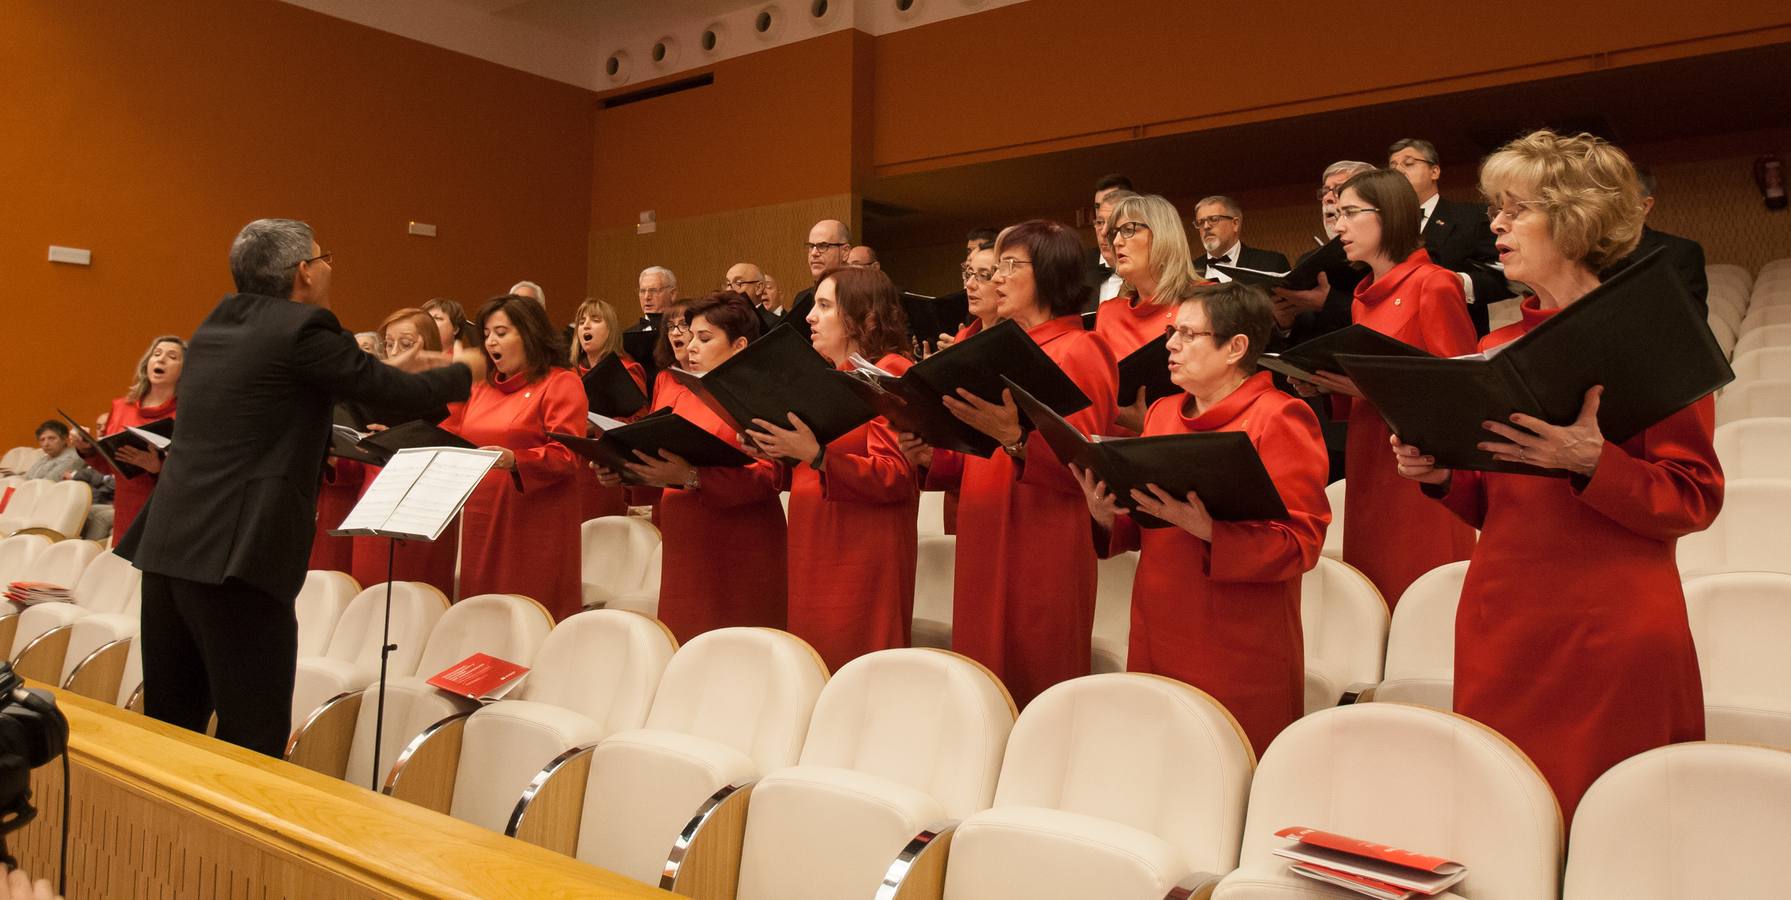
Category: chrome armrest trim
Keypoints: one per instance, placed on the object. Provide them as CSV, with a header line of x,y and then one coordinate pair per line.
x,y
904,861
675,859
72,673
40,639
1197,884
540,781
292,742
411,748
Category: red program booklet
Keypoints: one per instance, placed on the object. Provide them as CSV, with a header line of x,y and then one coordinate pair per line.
x,y
1376,870
479,677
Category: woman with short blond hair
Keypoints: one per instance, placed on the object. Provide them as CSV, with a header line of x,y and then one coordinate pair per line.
x,y
1151,256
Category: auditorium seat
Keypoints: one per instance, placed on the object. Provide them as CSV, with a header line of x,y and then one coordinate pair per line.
x,y
734,704
62,563
1751,534
1344,622
1418,779
929,521
1728,306
902,743
107,592
1731,274
644,599
16,555
1764,364
934,562
614,551
326,690
1723,332
59,510
1114,786
22,507
1766,398
506,626
20,458
1741,622
1420,664
1334,534
1686,820
320,603
1764,316
1764,336
1755,448
111,590
1113,611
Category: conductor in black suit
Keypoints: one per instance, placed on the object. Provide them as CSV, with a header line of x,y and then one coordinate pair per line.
x,y
1220,222
224,541
1684,254
1456,235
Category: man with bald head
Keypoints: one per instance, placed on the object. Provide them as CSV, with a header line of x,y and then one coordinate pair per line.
x,y
862,257
746,278
826,247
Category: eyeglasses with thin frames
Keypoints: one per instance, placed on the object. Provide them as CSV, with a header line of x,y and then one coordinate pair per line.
x,y
824,246
1008,264
1126,230
1185,334
1204,221
974,276
1511,210
321,257
735,284
1346,213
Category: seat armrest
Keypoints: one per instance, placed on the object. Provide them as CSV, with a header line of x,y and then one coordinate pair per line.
x,y
1197,886
1360,692
424,773
551,806
918,872
322,743
705,859
56,537
41,660
98,675
9,625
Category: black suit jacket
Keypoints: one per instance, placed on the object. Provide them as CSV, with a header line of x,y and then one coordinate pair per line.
x,y
1457,236
1684,254
1094,274
798,313
237,497
1264,260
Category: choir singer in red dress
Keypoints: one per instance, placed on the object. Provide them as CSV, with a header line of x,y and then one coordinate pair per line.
x,y
151,398
596,333
1392,533
1217,604
979,289
1024,583
722,528
1150,253
520,533
1571,638
852,502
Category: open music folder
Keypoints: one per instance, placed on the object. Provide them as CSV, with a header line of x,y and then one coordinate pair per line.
x,y
610,390
1303,277
153,437
417,493
616,442
1146,368
777,375
1222,467
1320,354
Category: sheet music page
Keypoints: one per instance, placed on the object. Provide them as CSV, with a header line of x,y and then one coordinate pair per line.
x,y
388,489
604,423
436,495
155,440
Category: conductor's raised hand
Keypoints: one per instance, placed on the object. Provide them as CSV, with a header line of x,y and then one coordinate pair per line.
x,y
1189,514
1101,505
1000,421
1414,464
1575,447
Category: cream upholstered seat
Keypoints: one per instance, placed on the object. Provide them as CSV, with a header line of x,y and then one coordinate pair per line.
x,y
1754,400
112,592
16,554
594,675
1764,336
929,521
1416,778
935,562
60,509
1421,642
1741,622
1113,612
1685,820
1334,534
505,626
1751,534
644,599
352,660
20,458
1344,622
1755,448
63,563
1728,305
733,704
321,601
1764,315
130,683
1765,363
1729,273
902,743
614,554
23,505
1722,331
1113,786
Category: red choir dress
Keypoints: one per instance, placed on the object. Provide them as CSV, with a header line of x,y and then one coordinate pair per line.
x,y
852,543
1391,532
1024,585
595,500
1571,638
666,391
951,494
725,546
129,494
1129,322
524,541
430,562
1224,615
340,491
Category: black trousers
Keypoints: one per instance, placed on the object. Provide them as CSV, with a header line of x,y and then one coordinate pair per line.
x,y
225,647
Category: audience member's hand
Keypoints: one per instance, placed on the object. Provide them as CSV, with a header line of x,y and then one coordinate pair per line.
x,y
1101,504
1189,515
148,461
1413,464
1310,300
19,886
919,453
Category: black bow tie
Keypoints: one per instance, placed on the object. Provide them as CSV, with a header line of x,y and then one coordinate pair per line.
x,y
1207,262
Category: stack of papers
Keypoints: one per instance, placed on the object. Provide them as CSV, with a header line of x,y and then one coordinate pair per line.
x,y
31,593
1368,868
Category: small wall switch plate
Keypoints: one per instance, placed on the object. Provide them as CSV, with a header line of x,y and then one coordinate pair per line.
x,y
71,255
422,228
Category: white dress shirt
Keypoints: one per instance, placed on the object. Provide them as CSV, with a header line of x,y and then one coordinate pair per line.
x,y
1425,211
1229,257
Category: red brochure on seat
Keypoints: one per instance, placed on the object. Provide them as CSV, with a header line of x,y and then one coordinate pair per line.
x,y
1382,865
480,677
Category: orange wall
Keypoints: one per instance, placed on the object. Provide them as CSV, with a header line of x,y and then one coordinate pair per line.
x,y
150,132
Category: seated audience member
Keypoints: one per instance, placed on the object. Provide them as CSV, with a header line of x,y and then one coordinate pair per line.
x,y
530,290
368,341
59,458
1572,635
1684,254
1221,223
825,249
520,531
722,528
1217,604
1150,251
596,333
852,502
450,319
98,526
1104,282
1456,235
150,398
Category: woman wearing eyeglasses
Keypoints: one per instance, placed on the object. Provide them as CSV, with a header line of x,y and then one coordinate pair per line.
x,y
1217,604
983,306
1151,256
668,351
1572,636
596,333
1024,583
1392,533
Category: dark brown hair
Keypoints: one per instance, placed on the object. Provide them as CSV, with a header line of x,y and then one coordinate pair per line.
x,y
663,357
425,325
465,331
1057,266
732,313
1234,308
1390,192
871,308
530,322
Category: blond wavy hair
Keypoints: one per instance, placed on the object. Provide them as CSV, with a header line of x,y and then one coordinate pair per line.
x,y
1585,185
1170,257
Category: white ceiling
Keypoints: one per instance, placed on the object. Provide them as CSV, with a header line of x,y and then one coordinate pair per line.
x,y
575,40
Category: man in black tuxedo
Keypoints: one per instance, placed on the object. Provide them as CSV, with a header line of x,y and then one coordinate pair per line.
x,y
223,543
1457,235
656,287
1219,221
1098,274
826,248
1685,254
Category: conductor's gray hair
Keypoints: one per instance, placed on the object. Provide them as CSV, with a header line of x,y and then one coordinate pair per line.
x,y
671,280
264,257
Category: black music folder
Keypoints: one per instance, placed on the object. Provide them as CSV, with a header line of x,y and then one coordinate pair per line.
x,y
1222,467
378,447
152,437
780,374
1639,334
981,364
1146,367
610,390
1320,354
1302,277
614,446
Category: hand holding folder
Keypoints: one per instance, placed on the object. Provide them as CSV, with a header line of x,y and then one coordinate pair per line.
x,y
616,444
777,375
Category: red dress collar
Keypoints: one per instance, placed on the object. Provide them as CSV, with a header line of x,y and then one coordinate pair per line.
x,y
162,411
1229,408
1373,290
1052,329
511,384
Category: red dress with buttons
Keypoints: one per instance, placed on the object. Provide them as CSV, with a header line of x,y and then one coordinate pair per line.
x,y
524,541
129,494
595,500
1571,638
